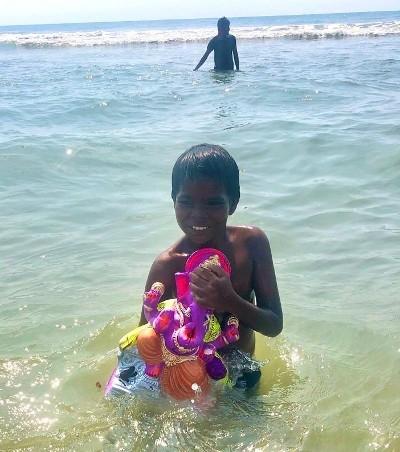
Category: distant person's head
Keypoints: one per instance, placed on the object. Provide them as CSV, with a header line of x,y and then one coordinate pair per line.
x,y
223,25
206,166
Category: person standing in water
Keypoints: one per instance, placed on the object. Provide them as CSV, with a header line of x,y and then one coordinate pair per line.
x,y
224,47
205,192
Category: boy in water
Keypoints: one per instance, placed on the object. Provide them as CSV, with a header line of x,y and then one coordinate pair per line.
x,y
205,191
224,46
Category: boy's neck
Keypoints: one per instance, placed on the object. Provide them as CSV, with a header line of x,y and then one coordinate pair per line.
x,y
218,243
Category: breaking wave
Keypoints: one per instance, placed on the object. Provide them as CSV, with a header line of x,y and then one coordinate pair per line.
x,y
163,36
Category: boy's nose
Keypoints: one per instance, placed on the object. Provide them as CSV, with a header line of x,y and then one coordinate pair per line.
x,y
199,213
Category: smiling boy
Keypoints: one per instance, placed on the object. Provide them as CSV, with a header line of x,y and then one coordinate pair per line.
x,y
205,192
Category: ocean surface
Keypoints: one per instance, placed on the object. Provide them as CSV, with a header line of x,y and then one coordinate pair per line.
x,y
92,118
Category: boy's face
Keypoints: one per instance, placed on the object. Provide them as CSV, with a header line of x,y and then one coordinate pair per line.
x,y
202,208
224,29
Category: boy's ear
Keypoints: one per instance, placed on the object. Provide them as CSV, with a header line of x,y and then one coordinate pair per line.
x,y
232,206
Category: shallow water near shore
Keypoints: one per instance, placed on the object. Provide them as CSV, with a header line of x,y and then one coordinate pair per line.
x,y
88,137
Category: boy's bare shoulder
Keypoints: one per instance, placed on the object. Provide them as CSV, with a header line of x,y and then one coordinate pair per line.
x,y
249,234
170,259
252,239
164,267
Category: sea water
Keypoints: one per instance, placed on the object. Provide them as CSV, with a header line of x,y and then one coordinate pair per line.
x,y
92,118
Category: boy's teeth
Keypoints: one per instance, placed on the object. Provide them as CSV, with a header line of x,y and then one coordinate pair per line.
x,y
199,228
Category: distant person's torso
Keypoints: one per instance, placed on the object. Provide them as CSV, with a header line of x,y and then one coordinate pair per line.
x,y
223,47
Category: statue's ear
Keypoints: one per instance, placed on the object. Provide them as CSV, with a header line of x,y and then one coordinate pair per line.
x,y
232,206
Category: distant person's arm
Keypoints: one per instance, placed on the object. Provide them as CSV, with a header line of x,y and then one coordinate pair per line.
x,y
203,59
236,56
210,48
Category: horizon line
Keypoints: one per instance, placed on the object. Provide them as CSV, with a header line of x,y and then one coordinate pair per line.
x,y
195,18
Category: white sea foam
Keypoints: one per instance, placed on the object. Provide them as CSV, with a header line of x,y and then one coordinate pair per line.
x,y
163,36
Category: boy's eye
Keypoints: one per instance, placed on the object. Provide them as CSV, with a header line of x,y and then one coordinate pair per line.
x,y
184,202
215,202
209,203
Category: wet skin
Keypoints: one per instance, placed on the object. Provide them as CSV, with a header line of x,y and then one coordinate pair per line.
x,y
202,208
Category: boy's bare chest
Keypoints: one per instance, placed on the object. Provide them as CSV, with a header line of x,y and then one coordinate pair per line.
x,y
241,276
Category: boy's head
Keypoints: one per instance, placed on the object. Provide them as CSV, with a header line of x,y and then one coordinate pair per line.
x,y
223,25
207,162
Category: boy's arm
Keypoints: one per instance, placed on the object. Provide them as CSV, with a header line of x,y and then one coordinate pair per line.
x,y
216,291
203,59
236,56
266,317
210,48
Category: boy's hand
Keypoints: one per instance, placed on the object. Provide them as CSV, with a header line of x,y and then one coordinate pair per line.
x,y
211,287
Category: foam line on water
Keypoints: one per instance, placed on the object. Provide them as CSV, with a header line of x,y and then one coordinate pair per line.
x,y
162,36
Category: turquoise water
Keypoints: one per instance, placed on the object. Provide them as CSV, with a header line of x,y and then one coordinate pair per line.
x,y
91,123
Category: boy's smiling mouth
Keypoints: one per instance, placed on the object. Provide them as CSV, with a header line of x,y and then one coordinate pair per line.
x,y
199,228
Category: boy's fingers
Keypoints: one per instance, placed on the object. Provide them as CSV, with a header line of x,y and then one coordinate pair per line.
x,y
217,270
198,298
197,280
202,273
211,268
195,288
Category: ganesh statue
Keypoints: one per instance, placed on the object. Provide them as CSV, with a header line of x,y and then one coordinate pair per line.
x,y
181,341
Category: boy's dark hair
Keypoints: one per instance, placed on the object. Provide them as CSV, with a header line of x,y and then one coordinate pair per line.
x,y
223,23
207,161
